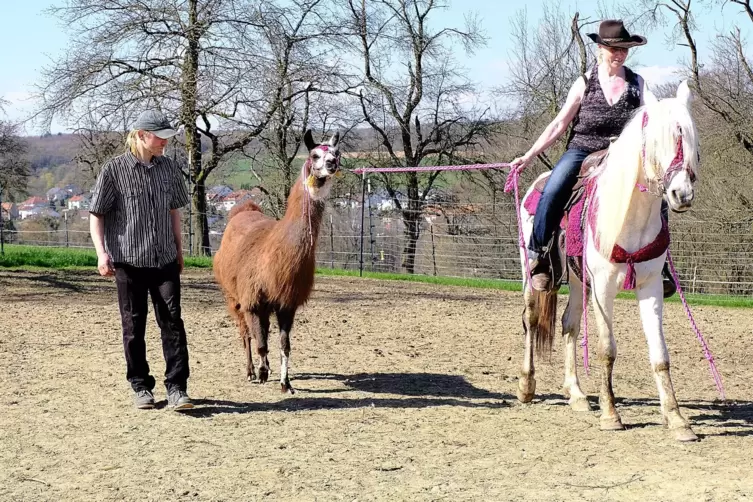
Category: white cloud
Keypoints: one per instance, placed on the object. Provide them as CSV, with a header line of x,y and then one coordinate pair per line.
x,y
658,75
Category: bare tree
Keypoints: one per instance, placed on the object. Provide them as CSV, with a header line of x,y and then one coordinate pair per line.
x,y
14,165
210,64
725,86
414,95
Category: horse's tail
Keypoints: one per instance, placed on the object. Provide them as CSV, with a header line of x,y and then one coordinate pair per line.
x,y
248,205
545,303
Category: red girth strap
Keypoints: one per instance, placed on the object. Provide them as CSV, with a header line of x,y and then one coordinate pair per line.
x,y
648,252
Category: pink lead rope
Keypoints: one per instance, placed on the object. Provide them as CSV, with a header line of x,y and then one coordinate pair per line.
x,y
512,184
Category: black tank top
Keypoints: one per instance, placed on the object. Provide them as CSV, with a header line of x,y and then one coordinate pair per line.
x,y
596,120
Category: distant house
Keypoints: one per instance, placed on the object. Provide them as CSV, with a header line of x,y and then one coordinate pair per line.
x,y
9,211
57,196
79,202
72,190
35,202
229,201
37,212
218,191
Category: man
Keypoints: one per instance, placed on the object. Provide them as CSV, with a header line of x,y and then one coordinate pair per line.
x,y
136,229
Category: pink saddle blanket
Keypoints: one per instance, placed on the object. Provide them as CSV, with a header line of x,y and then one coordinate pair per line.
x,y
571,223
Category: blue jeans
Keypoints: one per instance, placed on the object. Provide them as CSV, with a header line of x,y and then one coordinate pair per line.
x,y
556,193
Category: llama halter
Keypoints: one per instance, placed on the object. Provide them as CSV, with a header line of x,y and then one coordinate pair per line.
x,y
308,180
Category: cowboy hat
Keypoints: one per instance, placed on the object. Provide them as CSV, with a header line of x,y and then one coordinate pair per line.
x,y
612,33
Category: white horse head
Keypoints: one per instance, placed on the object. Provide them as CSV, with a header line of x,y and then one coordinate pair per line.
x,y
658,148
322,163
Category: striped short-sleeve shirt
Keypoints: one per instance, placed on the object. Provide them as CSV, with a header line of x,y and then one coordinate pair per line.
x,y
135,200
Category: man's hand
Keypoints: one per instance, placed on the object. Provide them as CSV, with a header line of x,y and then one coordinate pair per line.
x,y
180,263
104,265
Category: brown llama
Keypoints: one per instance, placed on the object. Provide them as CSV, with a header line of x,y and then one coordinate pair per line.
x,y
265,265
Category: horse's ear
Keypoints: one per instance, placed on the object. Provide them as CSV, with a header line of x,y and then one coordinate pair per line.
x,y
308,140
683,93
335,139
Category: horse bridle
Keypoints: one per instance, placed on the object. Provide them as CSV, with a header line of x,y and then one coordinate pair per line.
x,y
677,165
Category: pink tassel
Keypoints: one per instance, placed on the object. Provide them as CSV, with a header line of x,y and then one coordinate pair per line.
x,y
629,283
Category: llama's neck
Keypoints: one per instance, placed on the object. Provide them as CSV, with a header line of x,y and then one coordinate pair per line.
x,y
303,216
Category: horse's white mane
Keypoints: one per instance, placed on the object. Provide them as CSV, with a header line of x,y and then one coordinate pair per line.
x,y
624,165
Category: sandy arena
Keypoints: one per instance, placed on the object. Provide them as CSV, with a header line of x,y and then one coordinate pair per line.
x,y
404,392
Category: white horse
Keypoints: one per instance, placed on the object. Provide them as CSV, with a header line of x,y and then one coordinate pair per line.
x,y
657,149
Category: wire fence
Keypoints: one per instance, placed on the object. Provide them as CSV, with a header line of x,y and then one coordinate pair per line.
x,y
471,240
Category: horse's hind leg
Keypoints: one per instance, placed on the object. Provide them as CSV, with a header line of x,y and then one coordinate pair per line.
x,y
285,320
527,382
258,321
570,329
651,303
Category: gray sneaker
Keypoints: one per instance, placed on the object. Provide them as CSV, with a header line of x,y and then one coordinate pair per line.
x,y
178,400
143,399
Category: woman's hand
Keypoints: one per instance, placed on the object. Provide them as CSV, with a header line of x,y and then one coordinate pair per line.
x,y
519,164
104,265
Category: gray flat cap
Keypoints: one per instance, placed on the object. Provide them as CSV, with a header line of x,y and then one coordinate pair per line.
x,y
156,123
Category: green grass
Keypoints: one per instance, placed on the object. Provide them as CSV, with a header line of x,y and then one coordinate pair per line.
x,y
17,256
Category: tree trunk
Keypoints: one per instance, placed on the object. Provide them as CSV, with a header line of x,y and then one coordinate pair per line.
x,y
189,114
200,223
412,222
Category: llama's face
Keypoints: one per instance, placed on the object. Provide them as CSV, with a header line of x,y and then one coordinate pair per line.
x,y
323,163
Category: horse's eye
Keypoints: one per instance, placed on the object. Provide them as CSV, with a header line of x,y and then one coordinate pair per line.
x,y
315,156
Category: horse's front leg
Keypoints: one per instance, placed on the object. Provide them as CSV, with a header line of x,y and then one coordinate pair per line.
x,y
602,296
651,305
285,320
526,381
570,329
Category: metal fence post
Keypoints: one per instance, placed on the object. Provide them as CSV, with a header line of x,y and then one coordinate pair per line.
x,y
363,206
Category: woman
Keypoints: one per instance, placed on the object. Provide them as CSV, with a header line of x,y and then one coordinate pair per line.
x,y
135,226
599,105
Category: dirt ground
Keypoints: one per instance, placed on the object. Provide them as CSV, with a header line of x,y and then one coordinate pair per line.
x,y
405,392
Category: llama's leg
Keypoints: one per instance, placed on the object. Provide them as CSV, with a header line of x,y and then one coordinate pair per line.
x,y
246,336
285,320
570,330
527,381
603,306
259,324
245,333
651,304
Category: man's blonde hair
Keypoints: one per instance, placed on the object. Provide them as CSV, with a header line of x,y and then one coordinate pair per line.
x,y
130,141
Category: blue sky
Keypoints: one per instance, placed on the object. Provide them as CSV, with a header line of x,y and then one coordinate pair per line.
x,y
30,37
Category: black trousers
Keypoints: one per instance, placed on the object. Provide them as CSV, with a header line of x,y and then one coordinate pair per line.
x,y
163,285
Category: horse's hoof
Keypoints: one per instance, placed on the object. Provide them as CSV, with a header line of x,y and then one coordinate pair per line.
x,y
611,424
286,387
525,397
685,434
263,375
580,404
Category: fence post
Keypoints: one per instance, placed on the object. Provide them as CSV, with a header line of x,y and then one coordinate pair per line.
x,y
371,227
65,219
433,252
331,243
363,205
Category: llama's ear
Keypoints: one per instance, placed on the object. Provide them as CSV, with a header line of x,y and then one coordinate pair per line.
x,y
308,140
683,93
335,139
